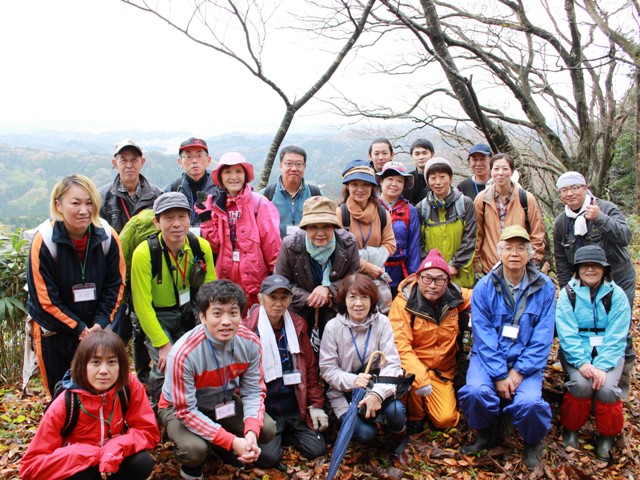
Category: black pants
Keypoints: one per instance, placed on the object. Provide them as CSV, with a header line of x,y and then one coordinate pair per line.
x,y
291,430
57,353
136,467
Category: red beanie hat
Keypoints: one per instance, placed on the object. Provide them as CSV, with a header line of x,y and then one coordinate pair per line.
x,y
434,260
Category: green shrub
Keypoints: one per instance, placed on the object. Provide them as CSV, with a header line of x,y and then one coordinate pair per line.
x,y
14,251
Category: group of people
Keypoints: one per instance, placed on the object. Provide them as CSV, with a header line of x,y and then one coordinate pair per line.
x,y
241,304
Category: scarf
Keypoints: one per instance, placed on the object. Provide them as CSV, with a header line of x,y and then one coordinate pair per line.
x,y
580,224
271,364
322,255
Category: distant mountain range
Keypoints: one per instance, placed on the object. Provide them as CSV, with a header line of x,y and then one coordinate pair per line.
x,y
31,162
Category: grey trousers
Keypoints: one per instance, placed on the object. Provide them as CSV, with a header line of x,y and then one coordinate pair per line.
x,y
580,387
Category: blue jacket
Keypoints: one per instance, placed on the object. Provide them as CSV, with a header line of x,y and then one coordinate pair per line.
x,y
407,241
290,209
492,308
570,322
51,302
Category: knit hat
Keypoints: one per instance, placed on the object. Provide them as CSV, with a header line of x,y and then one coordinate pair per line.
x,y
317,210
232,158
393,169
568,179
514,231
359,170
480,148
170,200
434,260
590,254
440,162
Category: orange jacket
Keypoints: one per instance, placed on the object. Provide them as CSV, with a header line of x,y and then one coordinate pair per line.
x,y
424,342
489,226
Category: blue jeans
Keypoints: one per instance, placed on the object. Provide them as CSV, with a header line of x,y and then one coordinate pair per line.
x,y
392,417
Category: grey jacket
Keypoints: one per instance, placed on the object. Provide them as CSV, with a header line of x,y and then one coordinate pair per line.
x,y
339,361
610,231
113,210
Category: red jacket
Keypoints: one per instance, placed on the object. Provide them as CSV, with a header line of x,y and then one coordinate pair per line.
x,y
258,239
308,391
51,457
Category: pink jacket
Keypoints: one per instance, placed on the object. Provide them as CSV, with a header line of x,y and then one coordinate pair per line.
x,y
258,238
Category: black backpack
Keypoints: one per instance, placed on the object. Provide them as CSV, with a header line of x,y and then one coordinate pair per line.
x,y
156,253
271,190
346,217
606,300
72,404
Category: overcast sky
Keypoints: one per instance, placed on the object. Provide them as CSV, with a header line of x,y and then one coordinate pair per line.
x,y
104,65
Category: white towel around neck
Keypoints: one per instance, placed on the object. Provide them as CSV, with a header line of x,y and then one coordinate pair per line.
x,y
271,364
580,224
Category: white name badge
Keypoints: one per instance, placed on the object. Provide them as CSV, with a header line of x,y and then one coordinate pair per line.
x,y
225,410
291,229
185,298
510,331
292,378
195,231
84,292
596,341
236,256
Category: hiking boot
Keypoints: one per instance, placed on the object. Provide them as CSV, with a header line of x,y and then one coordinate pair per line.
x,y
532,455
191,473
605,445
484,440
415,426
570,438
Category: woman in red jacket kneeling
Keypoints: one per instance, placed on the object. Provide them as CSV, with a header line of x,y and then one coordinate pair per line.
x,y
111,438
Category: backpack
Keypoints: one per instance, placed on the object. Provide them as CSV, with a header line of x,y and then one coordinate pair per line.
x,y
524,203
403,213
46,231
270,191
606,300
156,253
346,217
458,205
72,404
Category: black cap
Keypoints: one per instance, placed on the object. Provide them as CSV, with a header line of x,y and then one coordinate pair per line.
x,y
590,254
275,282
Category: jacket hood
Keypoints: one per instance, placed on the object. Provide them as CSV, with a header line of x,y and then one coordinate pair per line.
x,y
358,326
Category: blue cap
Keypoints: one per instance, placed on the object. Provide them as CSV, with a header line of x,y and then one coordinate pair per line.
x,y
359,170
480,148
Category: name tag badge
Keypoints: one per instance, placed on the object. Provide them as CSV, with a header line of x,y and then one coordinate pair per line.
x,y
596,341
84,292
225,410
291,229
195,231
292,378
185,298
236,256
510,331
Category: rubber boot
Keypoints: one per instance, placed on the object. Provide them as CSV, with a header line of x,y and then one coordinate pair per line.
x,y
605,445
397,443
484,440
532,455
570,438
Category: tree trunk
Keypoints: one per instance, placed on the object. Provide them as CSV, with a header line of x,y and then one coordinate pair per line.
x,y
637,142
285,123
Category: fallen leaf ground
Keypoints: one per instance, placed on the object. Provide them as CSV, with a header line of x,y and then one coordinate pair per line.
x,y
434,454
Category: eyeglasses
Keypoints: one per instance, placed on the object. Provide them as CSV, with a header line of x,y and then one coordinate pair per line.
x,y
590,266
518,250
298,165
573,189
198,156
124,160
428,280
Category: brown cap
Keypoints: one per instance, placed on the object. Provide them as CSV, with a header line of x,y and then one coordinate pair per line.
x,y
319,210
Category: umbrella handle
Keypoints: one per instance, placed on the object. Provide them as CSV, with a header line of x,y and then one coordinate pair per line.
x,y
378,353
